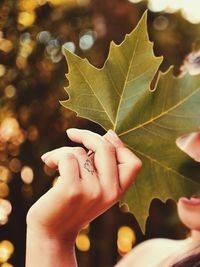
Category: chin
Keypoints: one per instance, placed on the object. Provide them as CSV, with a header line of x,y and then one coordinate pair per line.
x,y
189,212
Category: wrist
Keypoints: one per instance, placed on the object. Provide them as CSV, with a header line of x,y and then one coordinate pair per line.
x,y
50,231
54,251
51,237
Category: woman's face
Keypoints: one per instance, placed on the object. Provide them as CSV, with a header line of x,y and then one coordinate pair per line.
x,y
189,212
189,209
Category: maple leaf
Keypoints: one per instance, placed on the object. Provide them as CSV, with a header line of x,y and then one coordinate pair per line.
x,y
118,97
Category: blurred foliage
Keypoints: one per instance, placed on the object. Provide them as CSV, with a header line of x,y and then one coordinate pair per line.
x,y
32,77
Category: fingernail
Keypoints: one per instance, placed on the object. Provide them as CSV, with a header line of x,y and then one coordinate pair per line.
x,y
71,130
114,139
44,156
183,141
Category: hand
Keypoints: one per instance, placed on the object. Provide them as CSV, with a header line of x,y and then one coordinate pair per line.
x,y
87,186
190,144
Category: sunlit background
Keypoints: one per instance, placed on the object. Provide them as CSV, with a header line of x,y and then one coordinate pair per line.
x,y
32,77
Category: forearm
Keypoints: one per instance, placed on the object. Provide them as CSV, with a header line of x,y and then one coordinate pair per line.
x,y
42,251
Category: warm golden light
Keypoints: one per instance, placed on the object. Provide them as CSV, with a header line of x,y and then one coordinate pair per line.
x,y
15,165
27,175
127,232
28,5
6,206
189,9
9,128
60,2
5,174
3,216
33,133
6,264
21,62
6,250
10,91
126,239
124,245
83,242
4,190
5,45
26,19
2,70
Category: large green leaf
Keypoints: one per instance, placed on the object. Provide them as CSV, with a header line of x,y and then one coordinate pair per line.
x,y
118,97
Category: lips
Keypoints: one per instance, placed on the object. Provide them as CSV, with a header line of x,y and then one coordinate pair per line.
x,y
193,201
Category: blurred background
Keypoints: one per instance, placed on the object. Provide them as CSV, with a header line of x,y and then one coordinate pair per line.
x,y
32,77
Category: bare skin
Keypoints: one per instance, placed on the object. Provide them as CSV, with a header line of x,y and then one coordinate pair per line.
x,y
88,186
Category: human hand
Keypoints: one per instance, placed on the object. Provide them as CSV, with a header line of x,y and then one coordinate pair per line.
x,y
87,186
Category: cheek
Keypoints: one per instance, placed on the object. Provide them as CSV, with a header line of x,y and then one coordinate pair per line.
x,y
190,217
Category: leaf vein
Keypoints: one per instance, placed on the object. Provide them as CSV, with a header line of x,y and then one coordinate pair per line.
x,y
160,115
95,94
163,166
125,83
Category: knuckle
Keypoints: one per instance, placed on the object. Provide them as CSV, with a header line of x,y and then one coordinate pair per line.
x,y
115,195
134,164
109,147
74,194
96,194
69,156
138,165
79,150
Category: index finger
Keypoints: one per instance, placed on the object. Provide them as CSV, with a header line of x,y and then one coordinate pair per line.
x,y
104,157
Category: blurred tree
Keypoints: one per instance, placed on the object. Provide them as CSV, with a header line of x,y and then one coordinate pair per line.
x,y
32,77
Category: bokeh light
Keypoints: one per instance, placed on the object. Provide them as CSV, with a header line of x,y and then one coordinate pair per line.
x,y
189,9
70,46
32,76
6,250
2,70
6,206
83,242
10,91
26,19
87,39
15,165
6,264
4,190
125,239
27,174
5,174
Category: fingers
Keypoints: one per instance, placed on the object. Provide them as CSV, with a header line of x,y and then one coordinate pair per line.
x,y
128,164
116,165
69,170
53,158
104,157
90,140
190,144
